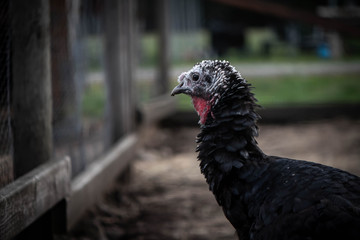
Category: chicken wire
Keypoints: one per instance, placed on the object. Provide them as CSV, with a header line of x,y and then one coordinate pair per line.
x,y
6,145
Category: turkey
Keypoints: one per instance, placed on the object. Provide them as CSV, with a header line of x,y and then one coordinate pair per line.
x,y
263,197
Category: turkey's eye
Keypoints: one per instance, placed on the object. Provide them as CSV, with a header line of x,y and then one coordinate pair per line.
x,y
195,76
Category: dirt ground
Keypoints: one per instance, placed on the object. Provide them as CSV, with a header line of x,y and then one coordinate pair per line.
x,y
167,197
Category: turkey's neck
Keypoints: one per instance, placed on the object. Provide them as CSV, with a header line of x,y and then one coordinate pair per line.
x,y
227,139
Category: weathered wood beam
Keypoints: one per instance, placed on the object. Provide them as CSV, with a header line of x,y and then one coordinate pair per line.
x,y
283,11
89,187
32,84
6,160
30,196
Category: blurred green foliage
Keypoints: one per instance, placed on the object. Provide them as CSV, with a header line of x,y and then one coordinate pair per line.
x,y
299,89
94,100
93,50
149,50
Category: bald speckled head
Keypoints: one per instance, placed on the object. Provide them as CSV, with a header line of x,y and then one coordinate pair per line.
x,y
206,79
206,82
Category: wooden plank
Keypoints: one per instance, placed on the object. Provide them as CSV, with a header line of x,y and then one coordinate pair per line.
x,y
30,196
89,187
31,84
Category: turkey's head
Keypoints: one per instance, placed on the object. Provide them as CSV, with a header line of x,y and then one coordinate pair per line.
x,y
206,83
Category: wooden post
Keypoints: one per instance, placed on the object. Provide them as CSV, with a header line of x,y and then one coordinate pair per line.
x,y
118,66
6,160
62,72
164,38
32,84
66,97
31,95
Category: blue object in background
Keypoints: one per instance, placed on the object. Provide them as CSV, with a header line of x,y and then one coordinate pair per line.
x,y
323,50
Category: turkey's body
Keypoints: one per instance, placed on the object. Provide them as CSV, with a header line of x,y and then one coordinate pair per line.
x,y
266,197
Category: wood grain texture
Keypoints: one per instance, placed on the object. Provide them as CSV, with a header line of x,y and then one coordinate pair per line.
x,y
30,196
31,95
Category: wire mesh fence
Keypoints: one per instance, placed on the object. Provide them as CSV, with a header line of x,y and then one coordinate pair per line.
x,y
82,108
80,99
6,173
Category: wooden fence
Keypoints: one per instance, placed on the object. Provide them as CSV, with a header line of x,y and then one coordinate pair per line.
x,y
44,197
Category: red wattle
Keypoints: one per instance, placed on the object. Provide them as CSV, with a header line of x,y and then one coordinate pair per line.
x,y
202,107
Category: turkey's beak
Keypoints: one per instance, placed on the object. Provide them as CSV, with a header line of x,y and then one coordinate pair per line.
x,y
181,88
